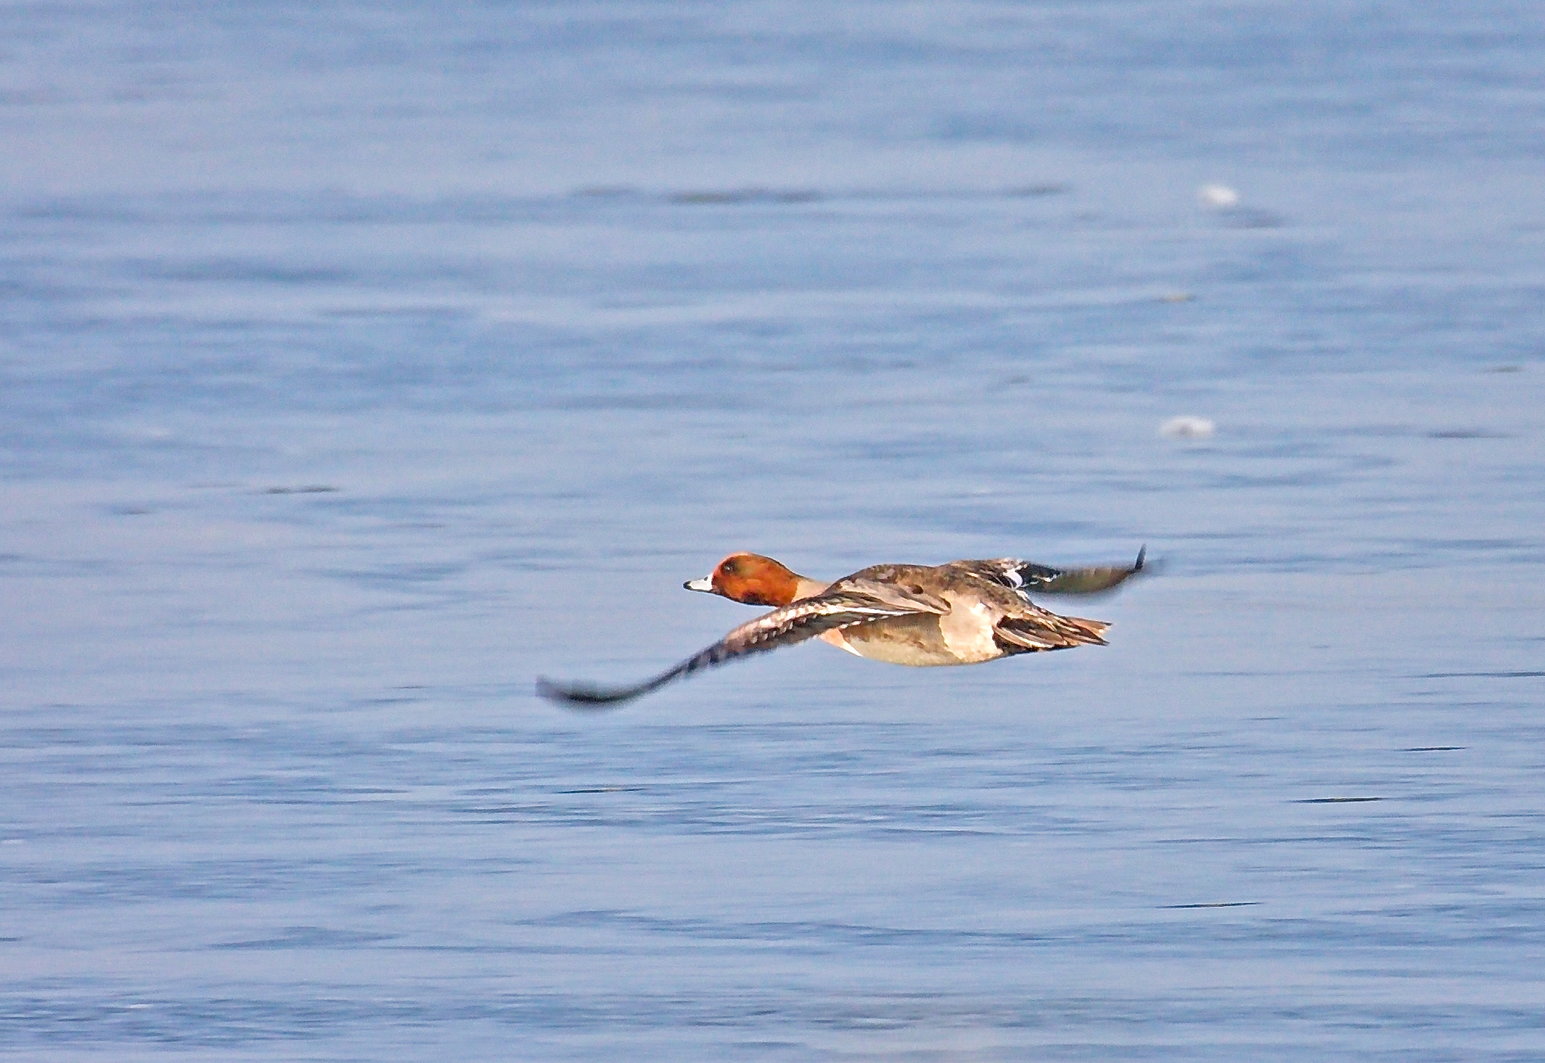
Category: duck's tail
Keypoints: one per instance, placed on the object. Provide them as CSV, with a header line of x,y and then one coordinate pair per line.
x,y
1049,631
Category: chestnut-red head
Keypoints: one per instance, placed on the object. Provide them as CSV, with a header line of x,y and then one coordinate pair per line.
x,y
751,579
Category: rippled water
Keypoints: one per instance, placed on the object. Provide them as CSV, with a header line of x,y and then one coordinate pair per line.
x,y
362,362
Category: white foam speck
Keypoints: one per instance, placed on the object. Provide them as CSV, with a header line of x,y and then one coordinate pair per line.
x,y
1187,427
1219,196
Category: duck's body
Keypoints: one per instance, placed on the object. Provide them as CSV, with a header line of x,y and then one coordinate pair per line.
x,y
985,615
964,612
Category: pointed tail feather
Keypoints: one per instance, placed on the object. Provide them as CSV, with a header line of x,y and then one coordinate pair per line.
x,y
1050,632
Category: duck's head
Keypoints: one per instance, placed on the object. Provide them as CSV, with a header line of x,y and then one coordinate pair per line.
x,y
751,579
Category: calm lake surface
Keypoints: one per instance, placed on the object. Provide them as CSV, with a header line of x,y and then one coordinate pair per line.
x,y
362,362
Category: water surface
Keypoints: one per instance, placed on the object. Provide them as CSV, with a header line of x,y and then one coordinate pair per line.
x,y
362,363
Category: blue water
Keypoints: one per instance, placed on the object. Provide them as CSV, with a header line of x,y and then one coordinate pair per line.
x,y
362,362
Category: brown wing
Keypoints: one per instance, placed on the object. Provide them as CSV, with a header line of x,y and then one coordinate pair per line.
x,y
1027,576
793,623
889,591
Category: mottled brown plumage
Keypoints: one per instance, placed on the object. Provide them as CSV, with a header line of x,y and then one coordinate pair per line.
x,y
965,612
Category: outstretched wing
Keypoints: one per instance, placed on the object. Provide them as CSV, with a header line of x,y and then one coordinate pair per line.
x,y
1027,576
801,620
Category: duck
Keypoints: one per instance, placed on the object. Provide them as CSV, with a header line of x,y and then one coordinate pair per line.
x,y
754,579
963,612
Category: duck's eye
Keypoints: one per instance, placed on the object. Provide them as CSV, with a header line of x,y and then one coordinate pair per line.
x,y
730,567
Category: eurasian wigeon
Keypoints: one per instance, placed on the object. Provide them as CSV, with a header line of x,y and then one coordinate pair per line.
x,y
965,612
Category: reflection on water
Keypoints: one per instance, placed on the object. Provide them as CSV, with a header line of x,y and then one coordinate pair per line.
x,y
360,365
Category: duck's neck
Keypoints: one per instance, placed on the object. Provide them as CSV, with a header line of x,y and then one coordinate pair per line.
x,y
804,587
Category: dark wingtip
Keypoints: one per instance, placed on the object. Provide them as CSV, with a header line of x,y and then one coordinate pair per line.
x,y
578,698
1144,566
